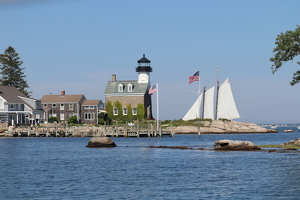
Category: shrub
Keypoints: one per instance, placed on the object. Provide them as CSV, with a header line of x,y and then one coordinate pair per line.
x,y
73,120
53,119
100,121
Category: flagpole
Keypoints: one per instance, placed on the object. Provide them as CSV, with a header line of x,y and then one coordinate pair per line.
x,y
199,85
199,93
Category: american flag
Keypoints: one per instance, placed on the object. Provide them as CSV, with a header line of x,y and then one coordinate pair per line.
x,y
195,77
152,89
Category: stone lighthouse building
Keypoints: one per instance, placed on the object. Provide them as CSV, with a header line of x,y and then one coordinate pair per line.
x,y
131,93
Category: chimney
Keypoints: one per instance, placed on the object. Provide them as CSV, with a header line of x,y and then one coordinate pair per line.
x,y
63,93
114,78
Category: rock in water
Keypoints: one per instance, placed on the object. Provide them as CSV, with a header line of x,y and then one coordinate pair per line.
x,y
235,145
292,142
97,142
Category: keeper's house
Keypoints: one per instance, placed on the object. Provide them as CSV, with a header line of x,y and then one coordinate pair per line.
x,y
125,96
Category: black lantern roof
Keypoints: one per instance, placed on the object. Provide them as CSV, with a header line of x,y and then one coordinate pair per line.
x,y
143,60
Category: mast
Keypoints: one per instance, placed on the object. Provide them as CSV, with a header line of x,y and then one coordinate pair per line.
x,y
204,90
217,95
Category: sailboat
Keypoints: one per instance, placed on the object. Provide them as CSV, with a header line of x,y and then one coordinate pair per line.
x,y
225,104
194,111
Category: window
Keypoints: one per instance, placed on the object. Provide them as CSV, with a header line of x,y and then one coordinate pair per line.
x,y
62,106
124,111
54,115
129,87
38,105
45,105
89,116
115,111
13,106
134,111
62,116
89,107
120,88
71,107
54,105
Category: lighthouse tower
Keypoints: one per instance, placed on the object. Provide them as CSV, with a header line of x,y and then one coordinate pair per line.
x,y
144,68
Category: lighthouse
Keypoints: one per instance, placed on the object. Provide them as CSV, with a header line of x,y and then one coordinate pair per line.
x,y
144,68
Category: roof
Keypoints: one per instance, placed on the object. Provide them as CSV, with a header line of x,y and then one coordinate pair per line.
x,y
143,59
62,98
46,109
112,87
11,94
91,102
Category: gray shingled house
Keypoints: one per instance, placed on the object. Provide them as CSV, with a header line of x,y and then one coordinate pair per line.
x,y
131,92
90,110
17,108
65,106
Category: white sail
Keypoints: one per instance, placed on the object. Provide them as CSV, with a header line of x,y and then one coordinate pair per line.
x,y
208,107
194,111
226,107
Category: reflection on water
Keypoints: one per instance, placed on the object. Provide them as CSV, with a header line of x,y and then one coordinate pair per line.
x,y
63,168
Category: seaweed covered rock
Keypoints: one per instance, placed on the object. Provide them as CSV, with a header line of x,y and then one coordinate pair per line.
x,y
235,145
98,142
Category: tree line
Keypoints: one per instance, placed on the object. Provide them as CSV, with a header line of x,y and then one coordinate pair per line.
x,y
11,72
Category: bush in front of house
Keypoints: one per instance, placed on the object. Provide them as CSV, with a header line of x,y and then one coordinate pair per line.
x,y
52,119
73,120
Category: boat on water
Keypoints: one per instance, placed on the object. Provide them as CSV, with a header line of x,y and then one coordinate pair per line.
x,y
273,126
223,102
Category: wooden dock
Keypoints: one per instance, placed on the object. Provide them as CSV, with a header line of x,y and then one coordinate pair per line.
x,y
149,130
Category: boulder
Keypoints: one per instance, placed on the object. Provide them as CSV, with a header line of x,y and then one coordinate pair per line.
x,y
292,142
97,142
235,145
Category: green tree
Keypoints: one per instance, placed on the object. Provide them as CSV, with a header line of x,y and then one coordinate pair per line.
x,y
12,73
109,109
140,111
129,112
288,47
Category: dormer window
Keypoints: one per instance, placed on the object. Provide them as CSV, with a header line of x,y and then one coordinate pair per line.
x,y
120,88
129,87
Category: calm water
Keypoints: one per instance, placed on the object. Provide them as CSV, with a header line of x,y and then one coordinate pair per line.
x,y
63,168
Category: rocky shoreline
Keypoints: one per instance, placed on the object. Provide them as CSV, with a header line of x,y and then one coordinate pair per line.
x,y
222,127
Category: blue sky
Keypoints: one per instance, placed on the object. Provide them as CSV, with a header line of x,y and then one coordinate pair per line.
x,y
76,45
